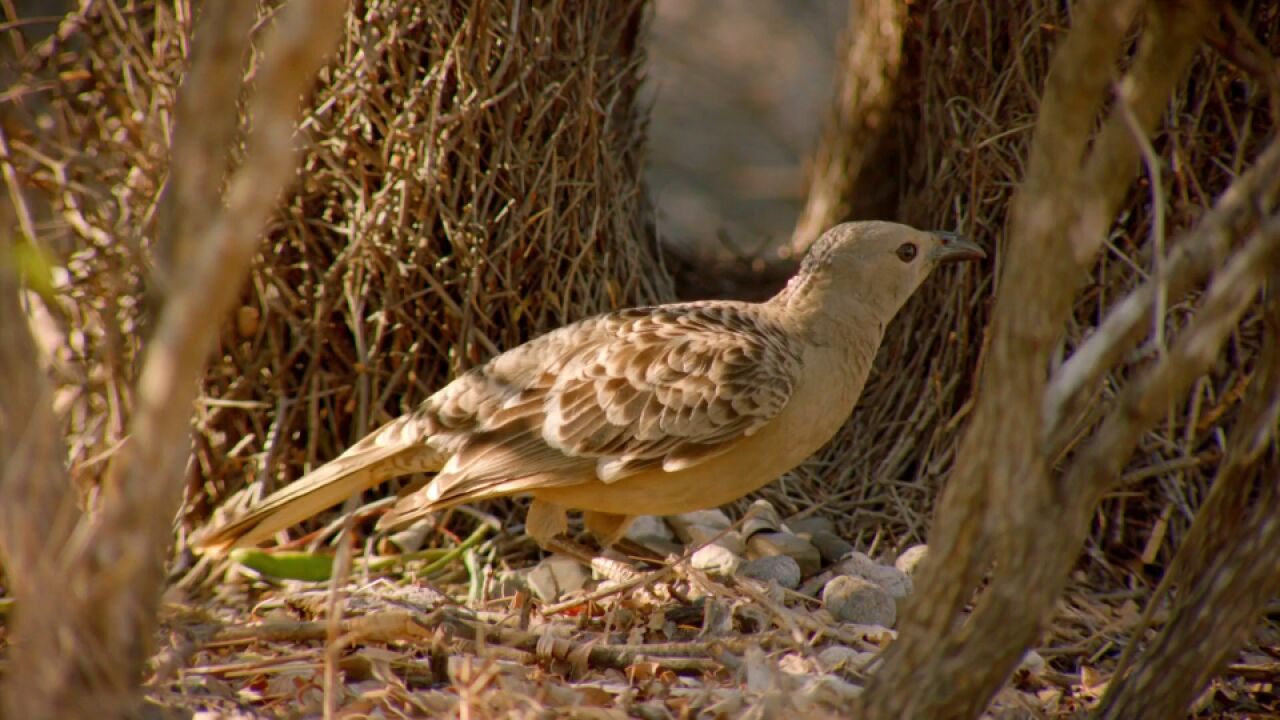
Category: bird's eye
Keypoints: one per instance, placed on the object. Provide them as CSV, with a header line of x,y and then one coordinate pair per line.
x,y
906,252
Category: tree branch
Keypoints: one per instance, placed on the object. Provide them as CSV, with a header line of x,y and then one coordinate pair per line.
x,y
1252,195
204,131
1228,567
1000,494
84,642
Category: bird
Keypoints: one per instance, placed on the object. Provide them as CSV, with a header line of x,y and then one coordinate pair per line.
x,y
653,410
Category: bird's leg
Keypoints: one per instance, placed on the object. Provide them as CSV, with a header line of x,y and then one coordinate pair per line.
x,y
606,527
545,521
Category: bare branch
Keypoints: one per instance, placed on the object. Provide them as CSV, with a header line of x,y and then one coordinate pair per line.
x,y
37,503
1144,401
1174,33
1000,487
204,132
1228,567
1252,194
108,574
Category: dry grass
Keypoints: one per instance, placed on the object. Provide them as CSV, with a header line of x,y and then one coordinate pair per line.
x,y
462,193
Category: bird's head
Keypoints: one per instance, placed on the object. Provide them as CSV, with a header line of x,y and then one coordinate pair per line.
x,y
877,265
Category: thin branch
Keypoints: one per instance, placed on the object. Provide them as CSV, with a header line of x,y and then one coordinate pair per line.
x,y
85,652
1221,567
1145,400
1000,495
203,132
1252,195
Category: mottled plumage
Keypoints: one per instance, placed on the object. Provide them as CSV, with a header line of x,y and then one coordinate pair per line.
x,y
642,411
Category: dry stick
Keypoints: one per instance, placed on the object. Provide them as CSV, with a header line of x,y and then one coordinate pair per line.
x,y
913,680
1141,405
1253,194
635,579
204,130
999,493
1211,613
37,503
1143,401
335,605
113,561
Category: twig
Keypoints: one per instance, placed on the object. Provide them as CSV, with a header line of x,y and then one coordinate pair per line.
x,y
1001,504
1252,195
642,580
1221,521
1194,351
113,560
1152,163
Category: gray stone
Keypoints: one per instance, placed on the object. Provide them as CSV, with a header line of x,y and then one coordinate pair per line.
x,y
412,538
839,657
717,560
1033,662
810,525
648,528
508,583
761,517
714,518
894,581
765,544
556,577
857,600
728,539
665,548
910,559
782,569
831,546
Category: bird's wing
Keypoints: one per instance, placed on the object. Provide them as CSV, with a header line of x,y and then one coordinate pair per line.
x,y
666,387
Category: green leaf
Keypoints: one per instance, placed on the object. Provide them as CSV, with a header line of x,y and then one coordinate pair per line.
x,y
286,564
35,270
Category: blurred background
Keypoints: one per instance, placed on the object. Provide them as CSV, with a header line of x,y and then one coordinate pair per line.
x,y
738,93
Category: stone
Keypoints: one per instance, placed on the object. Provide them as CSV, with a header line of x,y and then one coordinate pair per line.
x,y
832,547
765,544
761,517
714,518
894,581
665,548
782,569
810,525
717,560
1032,662
813,585
828,690
839,657
795,664
858,600
413,537
730,540
648,528
555,577
910,559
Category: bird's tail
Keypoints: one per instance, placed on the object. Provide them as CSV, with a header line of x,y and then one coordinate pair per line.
x,y
392,450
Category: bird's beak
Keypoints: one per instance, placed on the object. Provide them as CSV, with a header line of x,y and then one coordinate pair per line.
x,y
954,248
